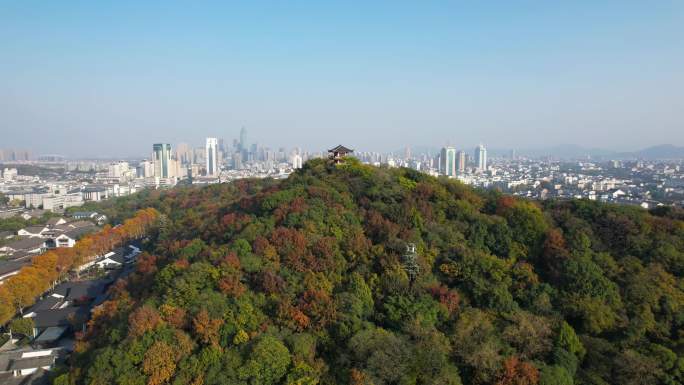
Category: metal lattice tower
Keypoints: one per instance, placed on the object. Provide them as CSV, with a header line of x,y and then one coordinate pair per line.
x,y
411,262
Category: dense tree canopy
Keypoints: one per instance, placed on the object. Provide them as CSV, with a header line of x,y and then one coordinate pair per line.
x,y
306,281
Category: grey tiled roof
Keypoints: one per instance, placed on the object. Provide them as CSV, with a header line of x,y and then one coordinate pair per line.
x,y
53,221
46,303
340,148
34,229
84,289
10,266
60,317
32,362
26,243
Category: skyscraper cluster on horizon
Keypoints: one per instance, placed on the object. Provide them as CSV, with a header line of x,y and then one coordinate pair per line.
x,y
453,162
208,161
13,154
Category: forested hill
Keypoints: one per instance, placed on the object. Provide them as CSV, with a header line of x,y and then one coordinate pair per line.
x,y
308,281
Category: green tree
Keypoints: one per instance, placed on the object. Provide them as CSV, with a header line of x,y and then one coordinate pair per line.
x,y
485,277
386,358
477,344
22,326
268,362
555,375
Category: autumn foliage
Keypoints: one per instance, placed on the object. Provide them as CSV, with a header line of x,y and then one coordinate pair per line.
x,y
159,363
516,372
21,290
144,319
308,281
207,328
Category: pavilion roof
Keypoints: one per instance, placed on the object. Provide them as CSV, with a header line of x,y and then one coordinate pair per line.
x,y
340,148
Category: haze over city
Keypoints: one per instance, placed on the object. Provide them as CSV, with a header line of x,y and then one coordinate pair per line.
x,y
107,80
342,192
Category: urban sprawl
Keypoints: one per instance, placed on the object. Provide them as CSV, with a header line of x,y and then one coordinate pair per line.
x,y
54,184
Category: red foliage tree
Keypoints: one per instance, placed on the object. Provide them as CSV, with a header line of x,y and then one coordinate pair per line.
x,y
516,372
143,319
448,298
291,246
231,285
259,245
504,204
319,306
271,282
292,317
554,252
147,263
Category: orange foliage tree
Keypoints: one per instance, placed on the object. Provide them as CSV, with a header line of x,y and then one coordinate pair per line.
x,y
207,328
143,319
159,363
47,269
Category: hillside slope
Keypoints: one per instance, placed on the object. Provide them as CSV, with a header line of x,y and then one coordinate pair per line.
x,y
308,281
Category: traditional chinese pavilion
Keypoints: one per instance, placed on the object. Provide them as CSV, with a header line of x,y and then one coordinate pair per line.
x,y
338,153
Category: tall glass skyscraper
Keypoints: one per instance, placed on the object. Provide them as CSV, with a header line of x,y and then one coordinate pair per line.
x,y
161,158
211,156
447,161
481,157
243,139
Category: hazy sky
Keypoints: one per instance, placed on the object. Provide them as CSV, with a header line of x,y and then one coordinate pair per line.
x,y
88,78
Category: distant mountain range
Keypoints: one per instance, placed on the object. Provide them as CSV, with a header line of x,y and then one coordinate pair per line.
x,y
663,151
573,151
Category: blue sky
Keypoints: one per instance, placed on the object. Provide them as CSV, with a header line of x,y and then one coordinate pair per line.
x,y
109,79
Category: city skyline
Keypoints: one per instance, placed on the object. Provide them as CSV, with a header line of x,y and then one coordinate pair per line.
x,y
428,147
107,79
186,152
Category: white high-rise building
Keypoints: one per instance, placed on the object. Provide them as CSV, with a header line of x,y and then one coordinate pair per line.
x,y
145,169
9,174
447,161
119,169
481,157
296,161
211,157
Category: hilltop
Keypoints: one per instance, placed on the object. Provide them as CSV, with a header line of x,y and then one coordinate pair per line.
x,y
311,280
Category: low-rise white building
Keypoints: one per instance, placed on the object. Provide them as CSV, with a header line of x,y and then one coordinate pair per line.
x,y
20,363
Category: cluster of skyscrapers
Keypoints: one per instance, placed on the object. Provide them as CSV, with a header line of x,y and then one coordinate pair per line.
x,y
166,164
207,161
453,162
13,154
